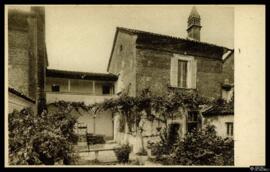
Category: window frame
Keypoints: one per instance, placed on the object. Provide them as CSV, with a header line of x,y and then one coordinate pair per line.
x,y
191,61
55,85
184,82
191,115
109,87
229,128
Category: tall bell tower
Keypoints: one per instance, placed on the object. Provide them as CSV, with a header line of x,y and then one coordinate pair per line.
x,y
194,25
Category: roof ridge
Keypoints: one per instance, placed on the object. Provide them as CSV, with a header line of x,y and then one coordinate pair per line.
x,y
169,36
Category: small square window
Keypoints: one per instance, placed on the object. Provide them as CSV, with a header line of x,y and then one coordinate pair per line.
x,y
106,89
55,88
121,48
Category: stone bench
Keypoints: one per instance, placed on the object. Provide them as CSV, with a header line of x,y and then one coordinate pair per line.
x,y
97,150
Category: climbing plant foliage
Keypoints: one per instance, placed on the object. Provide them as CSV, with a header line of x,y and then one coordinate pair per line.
x,y
158,107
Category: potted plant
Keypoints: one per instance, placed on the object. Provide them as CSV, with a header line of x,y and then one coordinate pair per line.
x,y
122,153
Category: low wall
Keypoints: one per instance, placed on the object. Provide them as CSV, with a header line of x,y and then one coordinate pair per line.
x,y
134,141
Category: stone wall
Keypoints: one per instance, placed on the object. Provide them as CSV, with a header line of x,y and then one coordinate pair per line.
x,y
150,131
27,52
209,77
19,61
153,71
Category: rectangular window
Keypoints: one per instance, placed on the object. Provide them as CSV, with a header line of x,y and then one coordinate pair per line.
x,y
193,121
229,128
182,73
106,89
55,88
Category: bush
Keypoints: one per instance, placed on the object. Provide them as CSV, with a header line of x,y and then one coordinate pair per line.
x,y
203,148
165,144
122,153
41,139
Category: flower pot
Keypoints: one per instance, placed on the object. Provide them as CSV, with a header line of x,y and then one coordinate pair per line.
x,y
142,159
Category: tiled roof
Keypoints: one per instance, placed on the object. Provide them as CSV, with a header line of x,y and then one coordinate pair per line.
x,y
20,94
173,44
220,109
135,31
81,75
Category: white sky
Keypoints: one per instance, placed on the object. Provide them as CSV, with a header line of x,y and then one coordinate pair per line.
x,y
80,37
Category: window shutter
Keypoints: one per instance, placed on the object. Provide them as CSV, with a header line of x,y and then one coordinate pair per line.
x,y
174,71
193,77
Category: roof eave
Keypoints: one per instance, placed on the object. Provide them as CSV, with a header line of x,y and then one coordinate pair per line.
x,y
114,41
20,94
80,75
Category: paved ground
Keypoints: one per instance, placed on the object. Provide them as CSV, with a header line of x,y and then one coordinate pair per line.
x,y
104,157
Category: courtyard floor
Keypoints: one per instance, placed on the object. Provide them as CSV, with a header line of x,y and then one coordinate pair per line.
x,y
104,157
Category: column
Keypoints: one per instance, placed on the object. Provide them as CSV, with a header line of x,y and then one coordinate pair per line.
x,y
94,89
69,85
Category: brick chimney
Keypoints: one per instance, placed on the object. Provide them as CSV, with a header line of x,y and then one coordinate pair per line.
x,y
194,25
41,57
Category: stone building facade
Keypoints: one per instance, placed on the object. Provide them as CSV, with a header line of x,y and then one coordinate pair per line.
x,y
27,58
146,60
160,62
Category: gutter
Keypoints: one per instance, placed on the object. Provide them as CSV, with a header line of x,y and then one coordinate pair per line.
x,y
228,55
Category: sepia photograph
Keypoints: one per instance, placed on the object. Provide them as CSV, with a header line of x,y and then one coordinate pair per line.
x,y
120,85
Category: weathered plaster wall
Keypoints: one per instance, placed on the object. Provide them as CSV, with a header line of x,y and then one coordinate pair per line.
x,y
123,62
103,123
219,121
228,69
62,82
17,103
87,99
78,85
